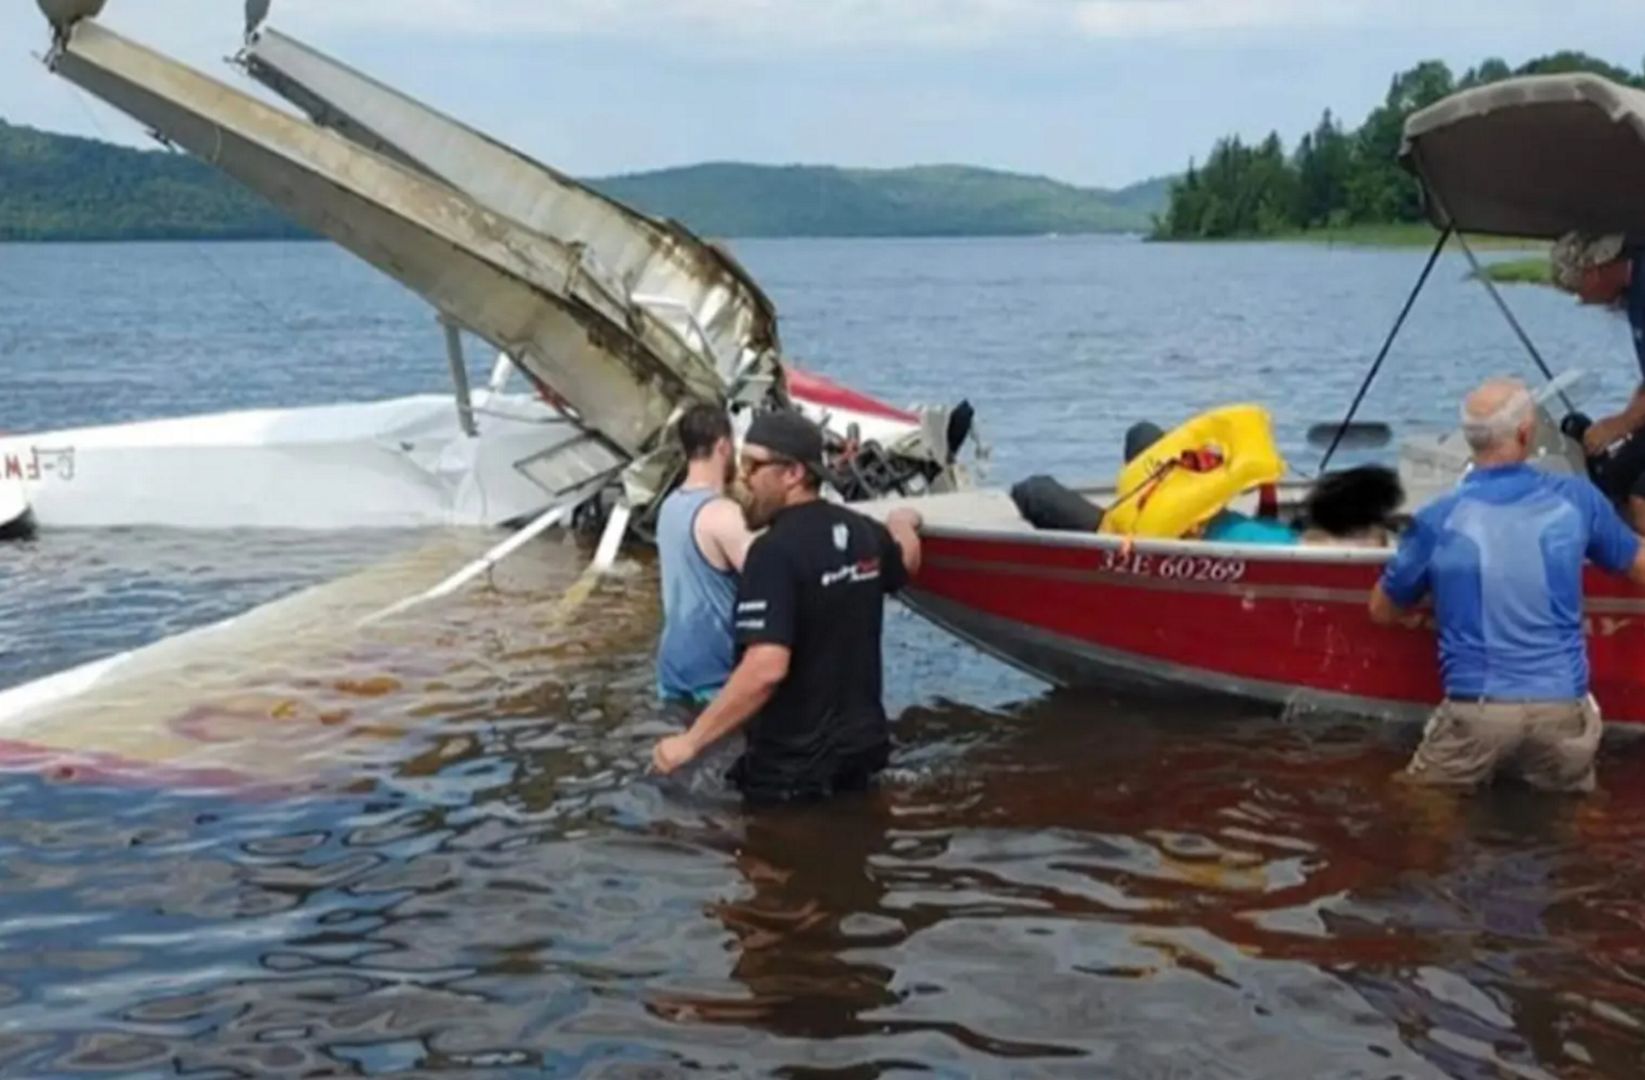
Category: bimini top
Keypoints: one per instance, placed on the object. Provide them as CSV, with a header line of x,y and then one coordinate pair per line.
x,y
1537,156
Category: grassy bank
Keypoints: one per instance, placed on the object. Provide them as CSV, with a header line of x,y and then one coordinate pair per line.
x,y
1405,234
1393,235
1399,234
1520,272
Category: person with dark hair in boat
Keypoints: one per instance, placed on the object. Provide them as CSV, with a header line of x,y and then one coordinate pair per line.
x,y
1502,559
702,541
1352,508
809,616
1602,270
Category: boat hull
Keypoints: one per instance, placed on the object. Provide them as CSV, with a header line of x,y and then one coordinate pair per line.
x,y
1282,625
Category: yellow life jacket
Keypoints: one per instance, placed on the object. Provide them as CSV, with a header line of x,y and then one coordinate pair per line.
x,y
1184,479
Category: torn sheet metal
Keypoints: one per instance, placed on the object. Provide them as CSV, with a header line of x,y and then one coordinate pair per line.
x,y
660,267
624,371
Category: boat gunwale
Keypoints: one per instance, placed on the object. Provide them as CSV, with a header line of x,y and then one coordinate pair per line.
x,y
1299,553
942,526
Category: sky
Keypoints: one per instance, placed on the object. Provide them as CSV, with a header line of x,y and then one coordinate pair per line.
x,y
1094,92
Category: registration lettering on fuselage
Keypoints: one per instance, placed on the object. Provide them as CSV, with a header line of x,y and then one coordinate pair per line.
x,y
37,463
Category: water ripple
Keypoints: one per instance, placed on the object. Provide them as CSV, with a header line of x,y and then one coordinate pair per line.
x,y
460,862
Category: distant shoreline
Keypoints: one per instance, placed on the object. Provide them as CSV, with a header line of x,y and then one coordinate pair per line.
x,y
84,241
70,241
64,189
1394,235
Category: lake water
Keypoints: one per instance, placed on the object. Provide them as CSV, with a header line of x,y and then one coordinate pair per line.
x,y
464,868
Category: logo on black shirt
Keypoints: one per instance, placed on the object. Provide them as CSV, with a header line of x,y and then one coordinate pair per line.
x,y
856,573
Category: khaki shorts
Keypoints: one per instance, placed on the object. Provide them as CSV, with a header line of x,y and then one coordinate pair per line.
x,y
1551,744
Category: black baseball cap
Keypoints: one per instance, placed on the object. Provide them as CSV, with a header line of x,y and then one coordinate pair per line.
x,y
789,435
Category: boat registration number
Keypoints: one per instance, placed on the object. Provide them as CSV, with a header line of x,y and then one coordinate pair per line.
x,y
1173,567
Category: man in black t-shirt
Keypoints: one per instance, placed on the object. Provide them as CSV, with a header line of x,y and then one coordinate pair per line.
x,y
810,609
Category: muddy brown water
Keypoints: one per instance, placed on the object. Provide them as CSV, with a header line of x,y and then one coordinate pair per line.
x,y
475,871
454,861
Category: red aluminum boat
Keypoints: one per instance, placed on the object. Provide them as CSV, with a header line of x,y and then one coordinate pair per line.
x,y
1531,157
1280,624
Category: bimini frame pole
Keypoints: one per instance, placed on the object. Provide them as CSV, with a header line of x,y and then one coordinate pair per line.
x,y
1507,313
1399,323
1490,287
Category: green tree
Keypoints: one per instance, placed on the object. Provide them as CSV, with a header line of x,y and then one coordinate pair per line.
x,y
1381,190
1338,176
1567,61
1492,70
1325,165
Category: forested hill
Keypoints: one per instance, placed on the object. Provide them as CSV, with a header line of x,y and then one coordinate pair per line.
x,y
939,200
56,187
1334,176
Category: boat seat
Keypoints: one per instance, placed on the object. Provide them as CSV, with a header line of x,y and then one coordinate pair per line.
x,y
1045,503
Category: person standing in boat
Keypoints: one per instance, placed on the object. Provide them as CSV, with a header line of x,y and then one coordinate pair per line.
x,y
1502,558
809,617
702,541
1603,270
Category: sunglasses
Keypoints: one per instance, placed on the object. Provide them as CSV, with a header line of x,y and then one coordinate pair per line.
x,y
749,466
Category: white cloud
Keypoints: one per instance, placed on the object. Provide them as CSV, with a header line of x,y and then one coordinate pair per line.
x,y
1144,18
821,24
763,25
928,23
816,22
1054,86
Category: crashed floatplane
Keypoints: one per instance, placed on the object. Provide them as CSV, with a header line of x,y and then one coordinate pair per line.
x,y
615,323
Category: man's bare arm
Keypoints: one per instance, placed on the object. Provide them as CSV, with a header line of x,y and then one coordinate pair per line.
x,y
1384,612
904,527
1636,572
1609,429
755,679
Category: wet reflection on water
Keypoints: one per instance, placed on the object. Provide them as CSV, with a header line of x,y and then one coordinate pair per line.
x,y
1067,885
457,861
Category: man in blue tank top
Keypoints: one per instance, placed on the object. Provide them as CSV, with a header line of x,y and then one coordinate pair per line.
x,y
1502,557
702,540
808,684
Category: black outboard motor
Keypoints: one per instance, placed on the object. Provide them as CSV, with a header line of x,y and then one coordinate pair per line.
x,y
863,471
